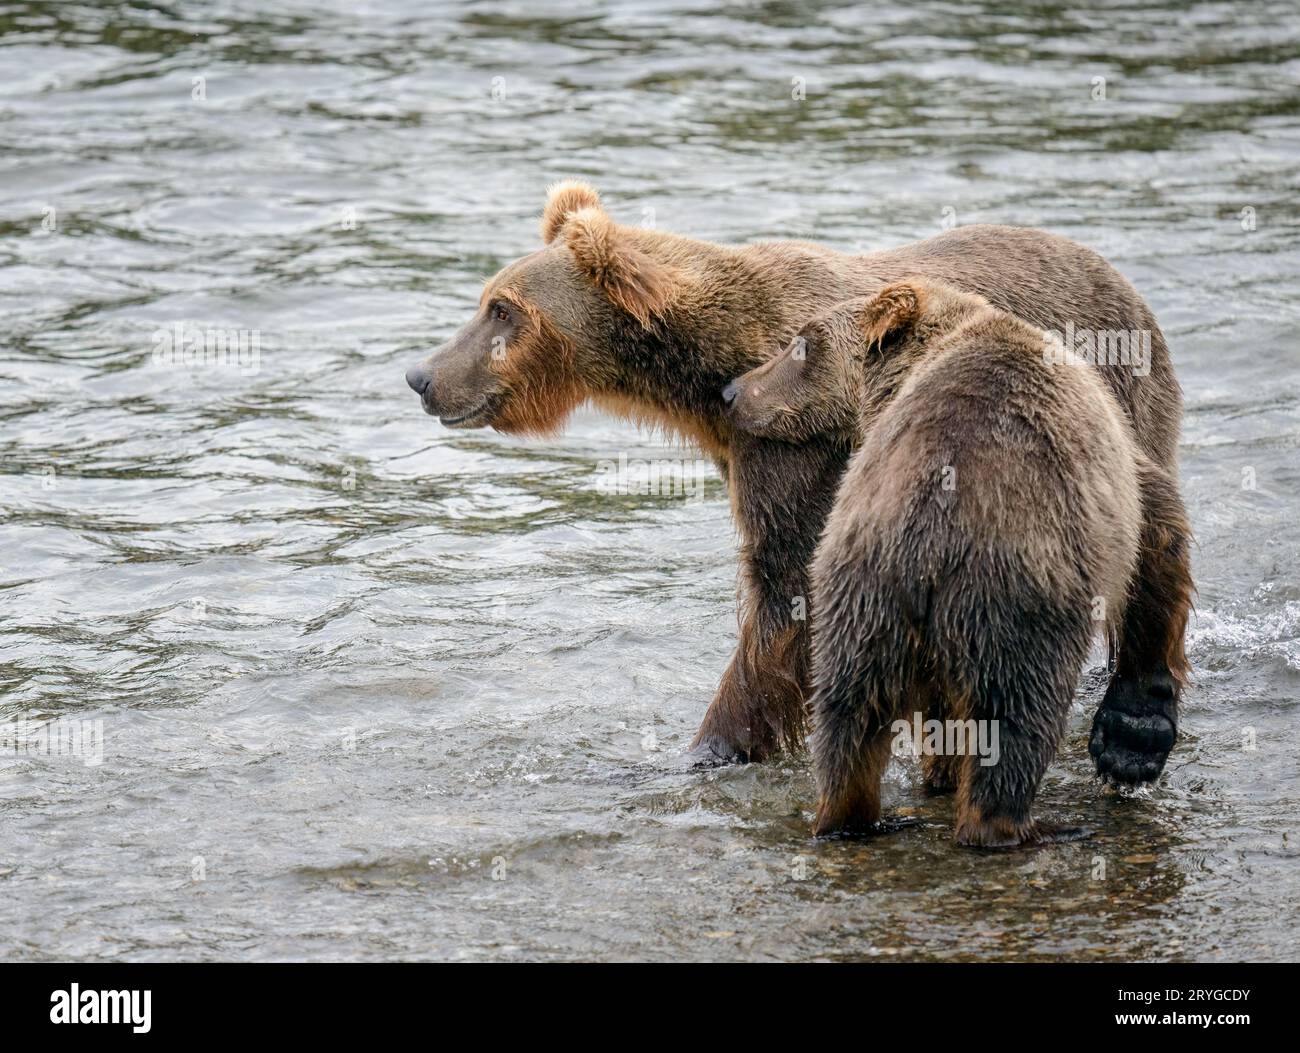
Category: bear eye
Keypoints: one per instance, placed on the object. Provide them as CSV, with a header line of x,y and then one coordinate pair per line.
x,y
500,313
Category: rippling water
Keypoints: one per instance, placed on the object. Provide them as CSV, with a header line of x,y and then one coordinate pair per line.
x,y
372,689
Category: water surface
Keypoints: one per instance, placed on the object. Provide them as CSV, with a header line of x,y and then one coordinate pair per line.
x,y
371,689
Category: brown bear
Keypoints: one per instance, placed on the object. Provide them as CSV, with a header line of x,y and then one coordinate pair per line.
x,y
987,527
651,326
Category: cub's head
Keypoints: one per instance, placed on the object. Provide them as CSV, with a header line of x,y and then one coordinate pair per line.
x,y
541,340
817,385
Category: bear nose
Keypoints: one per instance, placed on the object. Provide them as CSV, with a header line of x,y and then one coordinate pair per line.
x,y
730,392
418,380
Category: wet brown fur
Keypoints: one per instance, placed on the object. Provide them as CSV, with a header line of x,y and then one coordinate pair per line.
x,y
993,503
652,325
539,373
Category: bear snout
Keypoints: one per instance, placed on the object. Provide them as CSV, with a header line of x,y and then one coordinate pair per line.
x,y
418,380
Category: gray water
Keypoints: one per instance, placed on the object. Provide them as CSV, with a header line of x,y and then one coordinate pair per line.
x,y
370,689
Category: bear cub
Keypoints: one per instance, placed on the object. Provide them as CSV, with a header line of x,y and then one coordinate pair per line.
x,y
987,527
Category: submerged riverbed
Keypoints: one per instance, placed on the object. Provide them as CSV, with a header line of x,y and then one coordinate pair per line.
x,y
372,689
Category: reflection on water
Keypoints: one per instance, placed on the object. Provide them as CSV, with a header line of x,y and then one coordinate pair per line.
x,y
372,689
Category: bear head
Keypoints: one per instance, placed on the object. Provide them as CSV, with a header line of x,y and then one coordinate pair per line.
x,y
818,384
539,343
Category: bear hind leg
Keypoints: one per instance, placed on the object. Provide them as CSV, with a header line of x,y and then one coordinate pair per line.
x,y
942,774
849,797
1020,712
858,683
941,771
1136,725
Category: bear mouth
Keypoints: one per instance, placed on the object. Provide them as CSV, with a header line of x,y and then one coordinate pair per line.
x,y
470,419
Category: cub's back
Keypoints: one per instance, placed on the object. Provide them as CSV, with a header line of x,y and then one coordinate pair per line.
x,y
990,452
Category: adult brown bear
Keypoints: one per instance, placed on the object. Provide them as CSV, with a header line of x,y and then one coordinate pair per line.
x,y
653,326
987,528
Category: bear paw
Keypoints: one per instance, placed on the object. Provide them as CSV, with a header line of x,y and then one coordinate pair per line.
x,y
889,824
1002,835
712,752
1135,728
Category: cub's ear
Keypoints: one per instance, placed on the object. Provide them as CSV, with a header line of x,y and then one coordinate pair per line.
x,y
632,280
562,200
895,308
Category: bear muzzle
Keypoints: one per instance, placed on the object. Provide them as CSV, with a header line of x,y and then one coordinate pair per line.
x,y
745,407
453,406
418,380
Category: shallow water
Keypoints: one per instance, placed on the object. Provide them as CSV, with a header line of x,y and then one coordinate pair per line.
x,y
370,689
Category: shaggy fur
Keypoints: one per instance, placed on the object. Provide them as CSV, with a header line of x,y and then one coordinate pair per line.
x,y
652,326
991,513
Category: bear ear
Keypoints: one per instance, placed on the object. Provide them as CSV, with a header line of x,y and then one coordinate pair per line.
x,y
562,200
894,309
631,279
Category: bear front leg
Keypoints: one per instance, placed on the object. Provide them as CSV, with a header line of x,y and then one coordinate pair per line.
x,y
781,494
759,707
1137,723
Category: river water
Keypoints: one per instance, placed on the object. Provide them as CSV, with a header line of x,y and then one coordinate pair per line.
x,y
371,689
